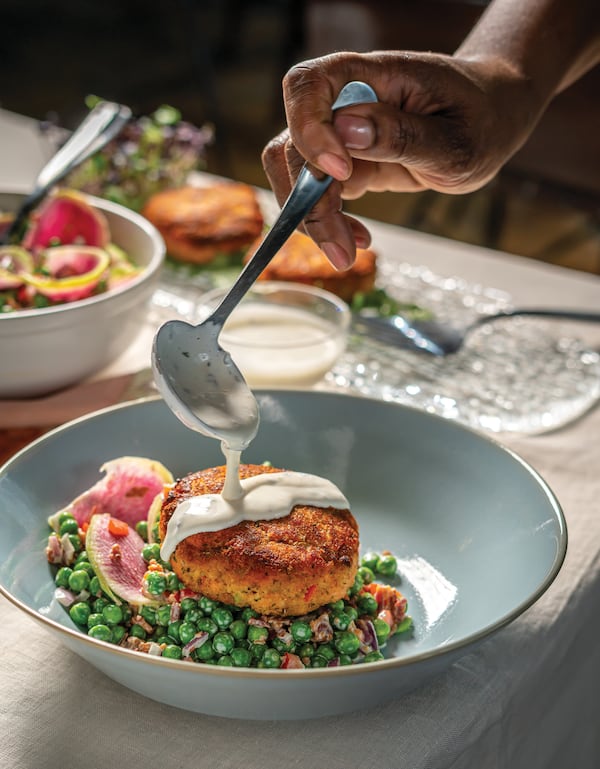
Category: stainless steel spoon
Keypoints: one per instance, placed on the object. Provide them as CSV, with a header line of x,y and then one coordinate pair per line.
x,y
101,125
437,338
197,378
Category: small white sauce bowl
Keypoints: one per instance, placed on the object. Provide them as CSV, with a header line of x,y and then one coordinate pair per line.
x,y
283,334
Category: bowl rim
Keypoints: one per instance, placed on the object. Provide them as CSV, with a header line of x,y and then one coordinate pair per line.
x,y
148,272
385,665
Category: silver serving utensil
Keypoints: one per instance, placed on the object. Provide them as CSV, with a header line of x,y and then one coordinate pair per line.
x,y
437,338
198,379
101,125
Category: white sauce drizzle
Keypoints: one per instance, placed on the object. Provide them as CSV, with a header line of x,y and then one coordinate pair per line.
x,y
263,497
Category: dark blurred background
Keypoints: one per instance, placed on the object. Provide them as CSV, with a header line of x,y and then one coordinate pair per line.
x,y
222,61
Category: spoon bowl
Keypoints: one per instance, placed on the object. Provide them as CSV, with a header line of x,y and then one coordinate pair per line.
x,y
198,378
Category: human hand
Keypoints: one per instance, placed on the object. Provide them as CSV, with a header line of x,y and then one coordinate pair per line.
x,y
441,123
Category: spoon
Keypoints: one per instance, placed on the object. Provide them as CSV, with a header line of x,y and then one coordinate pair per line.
x,y
436,338
197,378
101,125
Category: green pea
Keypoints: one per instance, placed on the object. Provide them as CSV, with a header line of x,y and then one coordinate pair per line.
x,y
172,652
113,614
100,603
301,631
137,631
225,661
345,659
271,659
405,625
165,640
241,643
282,645
65,516
83,557
79,612
149,614
79,580
382,630
369,560
155,532
62,576
342,620
142,529
95,618
337,606
223,617
187,631
248,613
223,643
204,653
241,658
173,629
151,552
100,632
346,642
118,633
207,604
193,615
208,625
367,604
357,586
306,651
187,604
318,661
173,582
387,566
373,657
85,566
257,634
163,615
127,613
238,629
75,540
367,575
95,588
326,650
257,651
156,583
70,526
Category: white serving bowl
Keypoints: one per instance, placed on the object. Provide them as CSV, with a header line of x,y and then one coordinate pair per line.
x,y
47,349
283,334
478,535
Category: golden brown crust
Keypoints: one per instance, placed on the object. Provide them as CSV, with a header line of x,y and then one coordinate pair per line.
x,y
300,260
286,566
197,223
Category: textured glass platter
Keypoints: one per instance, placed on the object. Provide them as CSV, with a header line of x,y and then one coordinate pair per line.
x,y
516,375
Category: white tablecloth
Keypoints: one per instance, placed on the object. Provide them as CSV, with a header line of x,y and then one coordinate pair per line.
x,y
527,698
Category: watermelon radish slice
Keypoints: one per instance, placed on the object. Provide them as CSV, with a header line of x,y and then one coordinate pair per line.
x,y
14,262
126,492
66,218
70,272
117,561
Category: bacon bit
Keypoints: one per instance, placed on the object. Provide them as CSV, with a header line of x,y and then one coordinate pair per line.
x,y
309,593
291,661
321,627
118,528
386,616
54,551
139,620
389,599
115,552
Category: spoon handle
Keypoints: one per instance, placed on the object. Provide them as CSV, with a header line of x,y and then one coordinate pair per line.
x,y
101,125
305,194
541,312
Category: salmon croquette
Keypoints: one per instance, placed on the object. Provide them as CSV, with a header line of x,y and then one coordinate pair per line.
x,y
285,567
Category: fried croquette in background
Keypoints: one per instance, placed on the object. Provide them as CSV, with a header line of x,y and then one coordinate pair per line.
x,y
200,223
300,260
284,567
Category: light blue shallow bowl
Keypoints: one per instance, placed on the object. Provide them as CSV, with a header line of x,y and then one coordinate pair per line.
x,y
478,534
